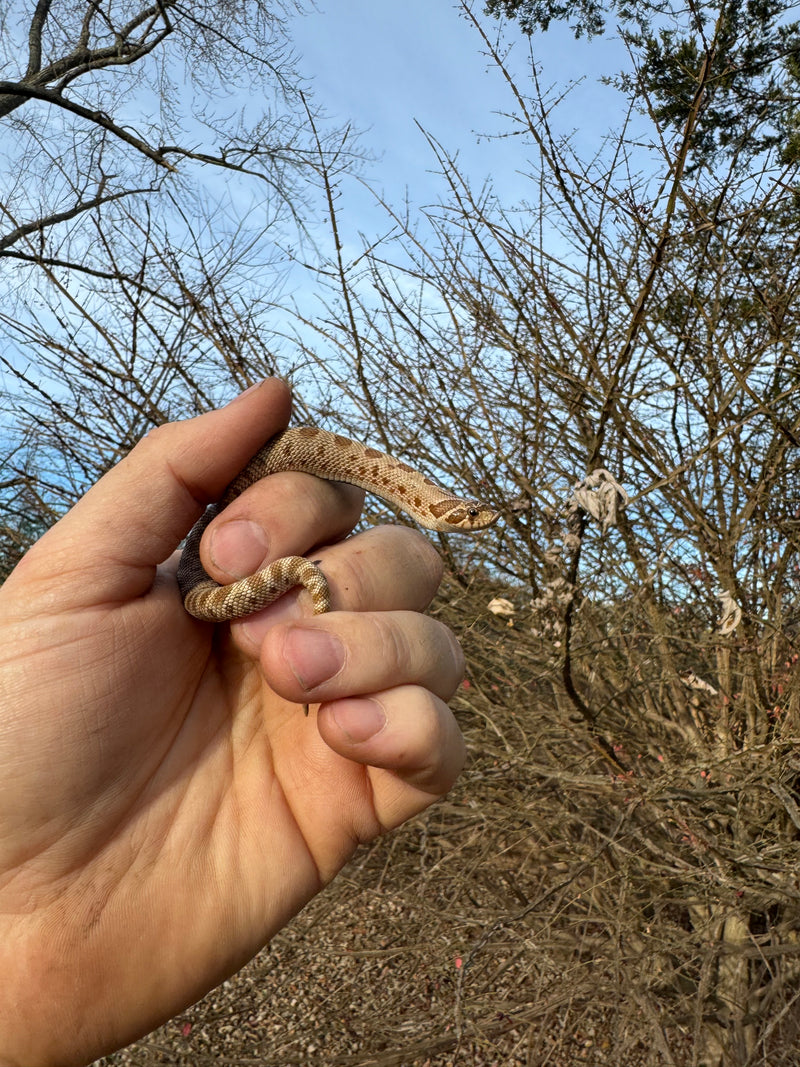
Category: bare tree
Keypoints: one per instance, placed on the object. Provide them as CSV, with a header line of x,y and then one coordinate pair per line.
x,y
627,396
155,166
101,101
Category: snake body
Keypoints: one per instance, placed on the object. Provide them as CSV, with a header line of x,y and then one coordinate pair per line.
x,y
339,459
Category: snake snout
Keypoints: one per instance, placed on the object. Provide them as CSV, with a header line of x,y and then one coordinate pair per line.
x,y
472,515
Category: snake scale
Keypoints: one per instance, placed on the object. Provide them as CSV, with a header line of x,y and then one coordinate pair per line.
x,y
339,459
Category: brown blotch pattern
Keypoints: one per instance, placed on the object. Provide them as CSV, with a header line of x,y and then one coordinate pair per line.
x,y
441,507
315,451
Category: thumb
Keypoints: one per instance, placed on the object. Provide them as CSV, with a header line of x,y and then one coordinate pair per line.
x,y
137,514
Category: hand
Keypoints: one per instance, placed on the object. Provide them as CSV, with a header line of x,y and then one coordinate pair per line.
x,y
165,806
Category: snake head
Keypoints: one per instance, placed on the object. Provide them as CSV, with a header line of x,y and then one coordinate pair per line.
x,y
464,515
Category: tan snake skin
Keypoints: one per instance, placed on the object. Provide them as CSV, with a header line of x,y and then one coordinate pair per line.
x,y
338,459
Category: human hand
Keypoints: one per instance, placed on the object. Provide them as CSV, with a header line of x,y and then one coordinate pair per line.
x,y
165,806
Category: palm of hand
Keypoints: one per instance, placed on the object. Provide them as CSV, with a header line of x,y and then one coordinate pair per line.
x,y
182,783
164,809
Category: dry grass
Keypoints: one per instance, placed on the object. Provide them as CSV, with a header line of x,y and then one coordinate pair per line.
x,y
551,911
433,947
442,944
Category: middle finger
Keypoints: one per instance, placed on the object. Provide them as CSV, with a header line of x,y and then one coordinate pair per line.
x,y
351,653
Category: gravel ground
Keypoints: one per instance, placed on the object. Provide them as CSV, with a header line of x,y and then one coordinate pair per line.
x,y
418,955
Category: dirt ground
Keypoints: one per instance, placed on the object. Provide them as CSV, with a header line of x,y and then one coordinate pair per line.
x,y
432,948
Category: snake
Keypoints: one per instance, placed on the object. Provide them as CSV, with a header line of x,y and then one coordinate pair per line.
x,y
312,450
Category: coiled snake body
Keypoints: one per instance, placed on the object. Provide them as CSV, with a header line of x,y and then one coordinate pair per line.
x,y
338,459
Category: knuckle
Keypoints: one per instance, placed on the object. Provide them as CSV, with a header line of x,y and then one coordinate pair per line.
x,y
418,649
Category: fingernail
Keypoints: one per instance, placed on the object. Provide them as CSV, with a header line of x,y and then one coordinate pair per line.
x,y
250,389
358,719
313,655
239,547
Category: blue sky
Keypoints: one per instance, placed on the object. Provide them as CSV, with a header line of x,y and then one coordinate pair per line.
x,y
382,64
